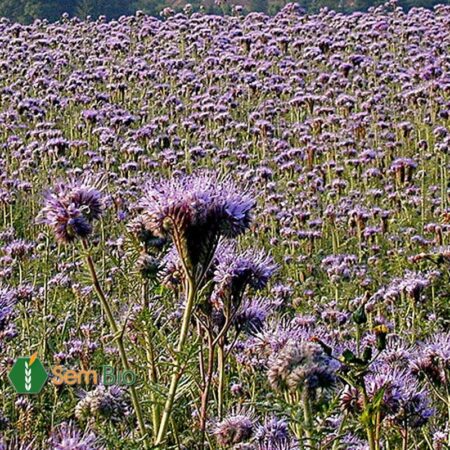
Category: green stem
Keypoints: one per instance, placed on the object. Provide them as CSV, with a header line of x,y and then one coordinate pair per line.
x,y
369,427
177,369
358,339
119,338
339,433
206,389
151,364
221,371
308,419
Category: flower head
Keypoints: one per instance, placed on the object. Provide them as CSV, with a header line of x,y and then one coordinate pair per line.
x,y
433,358
234,272
252,314
8,312
19,249
110,403
195,211
301,365
16,444
68,437
403,401
171,271
70,209
237,427
7,303
274,432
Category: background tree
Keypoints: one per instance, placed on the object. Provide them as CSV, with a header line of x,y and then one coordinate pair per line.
x,y
112,9
25,11
14,9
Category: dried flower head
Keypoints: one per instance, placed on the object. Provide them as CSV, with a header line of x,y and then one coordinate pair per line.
x,y
300,366
236,428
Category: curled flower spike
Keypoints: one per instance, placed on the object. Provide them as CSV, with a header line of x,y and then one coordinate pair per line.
x,y
274,433
71,208
234,272
171,270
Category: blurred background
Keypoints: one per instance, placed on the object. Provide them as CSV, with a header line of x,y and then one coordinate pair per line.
x,y
25,11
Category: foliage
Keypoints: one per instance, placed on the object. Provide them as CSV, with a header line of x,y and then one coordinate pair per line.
x,y
25,11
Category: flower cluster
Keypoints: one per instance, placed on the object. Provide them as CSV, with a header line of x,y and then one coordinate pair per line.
x,y
110,403
70,210
301,366
195,211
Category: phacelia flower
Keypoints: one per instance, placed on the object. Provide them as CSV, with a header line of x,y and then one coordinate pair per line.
x,y
432,360
7,303
68,437
252,314
273,432
16,444
109,403
195,211
8,312
301,365
235,428
403,401
234,272
70,209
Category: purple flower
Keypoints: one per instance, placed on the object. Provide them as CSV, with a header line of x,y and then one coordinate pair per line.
x,y
7,303
195,211
237,427
171,270
403,401
274,432
432,360
252,314
8,300
235,272
70,210
109,403
16,444
68,437
19,248
301,366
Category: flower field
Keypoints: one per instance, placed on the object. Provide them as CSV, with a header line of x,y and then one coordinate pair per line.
x,y
248,214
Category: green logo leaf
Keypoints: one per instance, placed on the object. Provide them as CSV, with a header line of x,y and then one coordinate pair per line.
x,y
28,375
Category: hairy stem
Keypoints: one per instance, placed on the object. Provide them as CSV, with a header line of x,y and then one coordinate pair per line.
x,y
119,339
151,365
177,369
369,426
221,370
206,389
340,432
405,437
308,419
